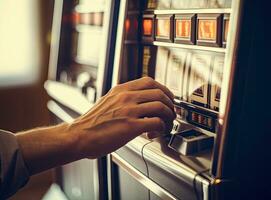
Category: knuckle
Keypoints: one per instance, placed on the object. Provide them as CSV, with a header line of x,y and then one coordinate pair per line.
x,y
127,110
160,106
114,89
148,81
160,94
123,97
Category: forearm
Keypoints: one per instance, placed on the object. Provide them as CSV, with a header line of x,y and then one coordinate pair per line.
x,y
44,148
125,112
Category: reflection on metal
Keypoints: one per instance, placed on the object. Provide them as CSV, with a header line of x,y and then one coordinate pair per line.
x,y
106,46
185,166
119,41
69,96
145,181
226,89
59,112
54,49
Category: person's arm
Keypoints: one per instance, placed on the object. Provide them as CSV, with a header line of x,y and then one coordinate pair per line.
x,y
125,112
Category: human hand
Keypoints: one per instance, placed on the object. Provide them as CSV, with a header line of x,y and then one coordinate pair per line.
x,y
127,110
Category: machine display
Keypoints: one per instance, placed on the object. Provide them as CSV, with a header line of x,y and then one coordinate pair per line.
x,y
182,44
182,49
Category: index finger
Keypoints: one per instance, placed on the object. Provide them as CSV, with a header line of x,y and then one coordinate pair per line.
x,y
147,83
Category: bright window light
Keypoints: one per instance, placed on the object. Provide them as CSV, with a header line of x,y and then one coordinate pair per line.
x,y
19,42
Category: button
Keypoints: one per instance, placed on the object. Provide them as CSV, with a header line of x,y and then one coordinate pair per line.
x,y
190,142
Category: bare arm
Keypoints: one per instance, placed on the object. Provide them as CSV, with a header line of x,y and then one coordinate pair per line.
x,y
125,112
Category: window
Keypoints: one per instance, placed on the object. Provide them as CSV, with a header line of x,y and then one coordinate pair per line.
x,y
19,42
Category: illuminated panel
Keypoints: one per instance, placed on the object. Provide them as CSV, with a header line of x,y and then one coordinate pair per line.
x,y
86,18
184,29
97,19
201,120
148,28
164,28
216,82
209,30
75,18
127,24
131,27
199,79
225,29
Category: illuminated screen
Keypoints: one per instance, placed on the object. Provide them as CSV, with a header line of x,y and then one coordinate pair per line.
x,y
207,29
163,28
147,27
183,28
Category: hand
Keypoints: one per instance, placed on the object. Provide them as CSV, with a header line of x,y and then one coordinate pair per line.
x,y
127,110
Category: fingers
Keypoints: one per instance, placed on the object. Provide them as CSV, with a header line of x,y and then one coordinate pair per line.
x,y
153,134
153,95
149,125
144,84
153,109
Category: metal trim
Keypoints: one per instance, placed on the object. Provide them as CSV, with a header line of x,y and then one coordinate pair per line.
x,y
54,47
192,11
106,46
119,41
227,89
145,181
190,47
59,112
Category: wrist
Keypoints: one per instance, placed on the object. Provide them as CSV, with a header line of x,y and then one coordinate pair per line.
x,y
74,140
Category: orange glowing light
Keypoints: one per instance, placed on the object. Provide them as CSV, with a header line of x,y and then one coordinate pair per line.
x,y
183,28
127,25
75,18
207,29
163,28
226,30
147,27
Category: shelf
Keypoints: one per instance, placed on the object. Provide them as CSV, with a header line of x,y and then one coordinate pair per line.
x,y
196,11
191,47
88,28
